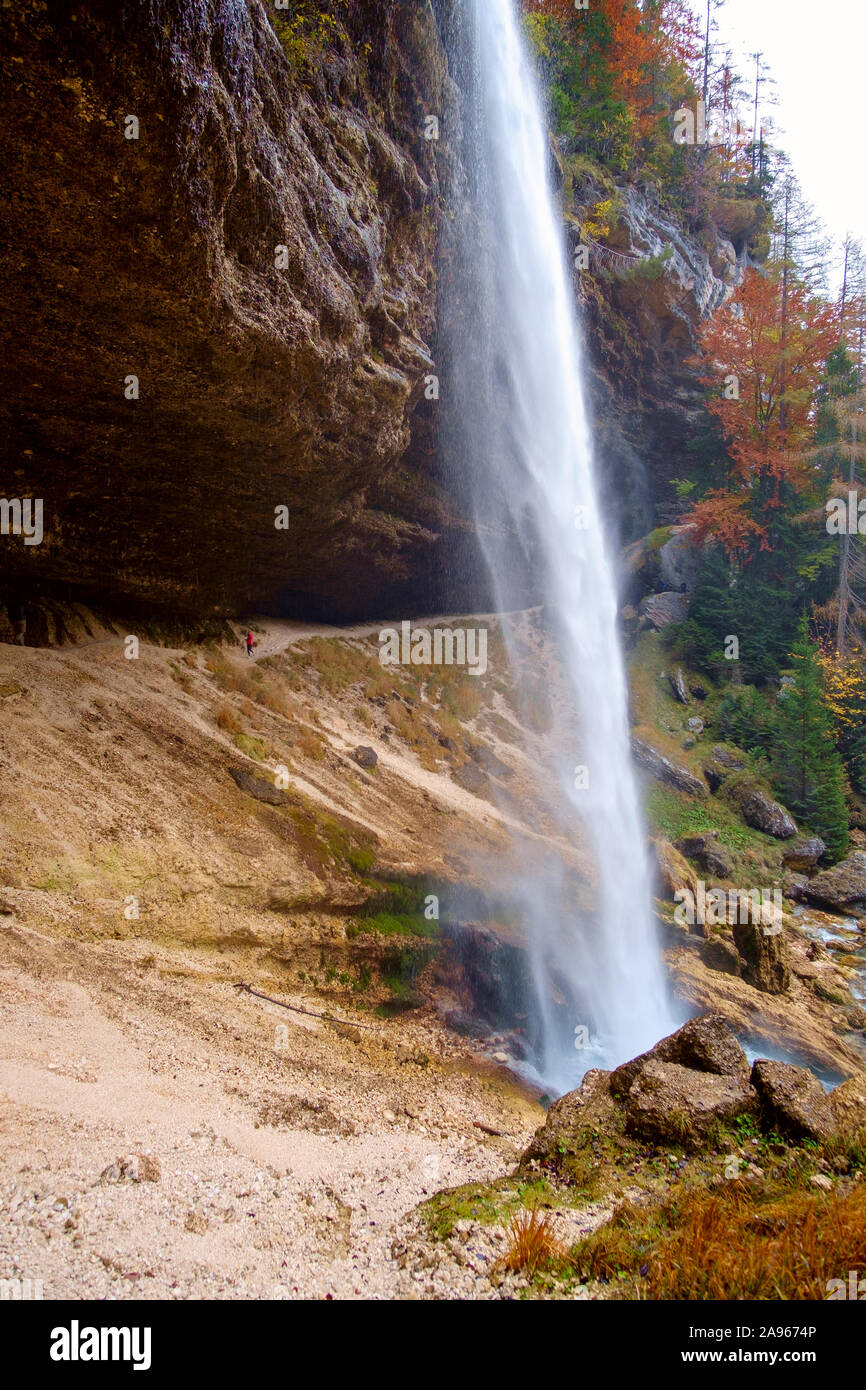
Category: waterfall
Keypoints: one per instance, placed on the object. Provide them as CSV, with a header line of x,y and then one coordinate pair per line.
x,y
522,442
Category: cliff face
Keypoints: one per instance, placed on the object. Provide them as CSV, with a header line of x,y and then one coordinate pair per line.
x,y
262,266
643,308
266,378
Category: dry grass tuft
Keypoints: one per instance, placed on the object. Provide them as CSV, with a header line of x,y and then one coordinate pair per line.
x,y
532,1244
228,721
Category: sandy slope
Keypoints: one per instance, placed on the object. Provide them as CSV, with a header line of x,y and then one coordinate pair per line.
x,y
286,1160
159,1135
283,1171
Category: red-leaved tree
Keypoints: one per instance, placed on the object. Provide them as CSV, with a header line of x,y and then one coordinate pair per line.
x,y
763,356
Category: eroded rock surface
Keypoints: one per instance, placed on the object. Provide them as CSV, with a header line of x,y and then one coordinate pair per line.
x,y
663,769
675,1104
704,1044
794,1100
843,887
262,259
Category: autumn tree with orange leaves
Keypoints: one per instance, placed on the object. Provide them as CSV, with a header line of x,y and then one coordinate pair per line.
x,y
763,364
617,69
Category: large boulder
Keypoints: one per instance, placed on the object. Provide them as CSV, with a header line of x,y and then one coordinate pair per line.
x,y
795,886
843,887
660,610
706,1044
671,1104
758,808
589,1109
664,770
793,1100
680,559
708,853
764,953
802,855
679,689
848,1103
674,873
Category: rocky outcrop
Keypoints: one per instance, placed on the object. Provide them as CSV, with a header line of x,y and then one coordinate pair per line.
x,y
674,875
685,1092
843,887
679,1093
678,1105
719,954
704,1044
803,855
707,853
793,1100
261,259
643,321
236,315
758,808
764,953
795,886
663,769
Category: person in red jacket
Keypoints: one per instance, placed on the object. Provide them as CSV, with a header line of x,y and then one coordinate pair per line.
x,y
251,642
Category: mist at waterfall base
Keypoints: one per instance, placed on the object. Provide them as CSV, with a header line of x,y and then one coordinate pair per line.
x,y
520,440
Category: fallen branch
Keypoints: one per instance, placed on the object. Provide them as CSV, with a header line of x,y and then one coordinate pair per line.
x,y
296,1009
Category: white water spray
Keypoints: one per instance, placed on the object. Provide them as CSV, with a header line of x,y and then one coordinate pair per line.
x,y
535,499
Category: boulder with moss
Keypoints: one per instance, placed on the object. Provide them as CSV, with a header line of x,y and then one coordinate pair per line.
x,y
843,887
764,953
848,1103
802,855
671,1104
707,852
793,1100
571,1120
723,762
664,769
719,954
757,807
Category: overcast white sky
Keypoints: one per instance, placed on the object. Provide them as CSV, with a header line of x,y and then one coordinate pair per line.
x,y
816,51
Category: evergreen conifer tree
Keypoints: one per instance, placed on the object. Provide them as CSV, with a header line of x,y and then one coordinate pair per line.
x,y
808,771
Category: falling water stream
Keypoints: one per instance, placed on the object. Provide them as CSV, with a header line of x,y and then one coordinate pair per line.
x,y
526,439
